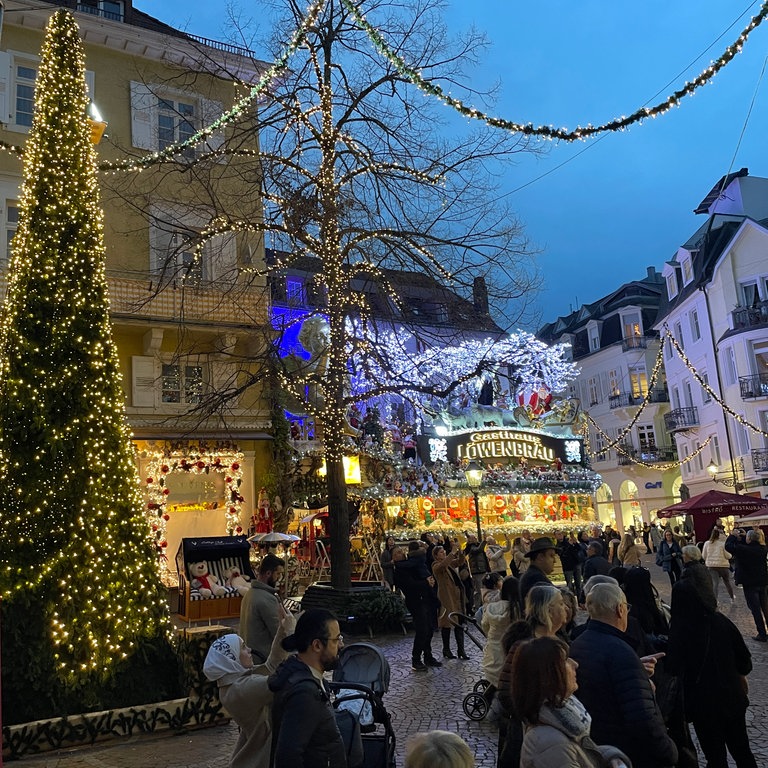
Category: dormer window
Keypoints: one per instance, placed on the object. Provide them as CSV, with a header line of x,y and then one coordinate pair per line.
x,y
594,339
107,9
671,285
687,271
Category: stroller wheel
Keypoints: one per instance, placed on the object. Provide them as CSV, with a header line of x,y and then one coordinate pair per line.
x,y
475,706
481,686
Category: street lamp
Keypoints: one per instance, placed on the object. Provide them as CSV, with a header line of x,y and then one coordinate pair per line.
x,y
474,474
732,482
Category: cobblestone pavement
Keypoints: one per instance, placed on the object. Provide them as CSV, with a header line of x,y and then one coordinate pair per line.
x,y
417,701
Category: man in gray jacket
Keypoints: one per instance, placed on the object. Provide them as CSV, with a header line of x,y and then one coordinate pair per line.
x,y
259,616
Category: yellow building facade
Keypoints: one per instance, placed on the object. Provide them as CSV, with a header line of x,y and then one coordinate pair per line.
x,y
189,315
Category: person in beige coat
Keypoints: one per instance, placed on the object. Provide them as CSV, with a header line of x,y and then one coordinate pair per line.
x,y
629,553
244,692
451,594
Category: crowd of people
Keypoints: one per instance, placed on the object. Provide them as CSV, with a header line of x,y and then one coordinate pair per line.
x,y
618,690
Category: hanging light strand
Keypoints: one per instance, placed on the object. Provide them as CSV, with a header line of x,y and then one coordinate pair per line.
x,y
705,386
547,131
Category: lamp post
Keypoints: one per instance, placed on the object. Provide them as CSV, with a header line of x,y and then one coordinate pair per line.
x,y
474,474
732,482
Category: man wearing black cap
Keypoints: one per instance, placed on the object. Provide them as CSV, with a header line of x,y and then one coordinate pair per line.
x,y
542,556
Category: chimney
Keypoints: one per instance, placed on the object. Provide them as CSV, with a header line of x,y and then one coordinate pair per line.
x,y
480,295
651,271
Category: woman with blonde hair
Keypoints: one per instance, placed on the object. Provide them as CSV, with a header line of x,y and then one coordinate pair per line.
x,y
438,748
629,552
716,558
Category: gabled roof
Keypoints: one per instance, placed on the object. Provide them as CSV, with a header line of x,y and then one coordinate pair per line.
x,y
718,189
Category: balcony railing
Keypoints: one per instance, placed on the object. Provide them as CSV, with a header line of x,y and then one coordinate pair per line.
x,y
760,459
634,342
681,419
625,399
749,317
648,454
100,12
753,386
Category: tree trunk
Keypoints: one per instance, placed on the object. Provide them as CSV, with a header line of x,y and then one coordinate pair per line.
x,y
338,522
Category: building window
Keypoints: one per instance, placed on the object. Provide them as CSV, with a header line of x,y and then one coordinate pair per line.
x,y
646,437
729,365
679,335
295,294
182,384
594,391
671,286
705,396
685,468
108,9
631,325
614,383
693,317
25,94
599,447
749,294
699,457
687,271
742,437
594,339
162,117
669,349
175,123
638,380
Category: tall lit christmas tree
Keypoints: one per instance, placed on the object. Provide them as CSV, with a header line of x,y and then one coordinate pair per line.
x,y
83,606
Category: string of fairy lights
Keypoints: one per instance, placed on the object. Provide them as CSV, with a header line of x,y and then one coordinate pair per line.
x,y
429,88
711,392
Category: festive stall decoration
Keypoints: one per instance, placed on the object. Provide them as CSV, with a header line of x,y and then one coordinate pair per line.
x,y
192,461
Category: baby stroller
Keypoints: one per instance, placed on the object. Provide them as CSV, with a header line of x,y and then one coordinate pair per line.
x,y
360,682
475,704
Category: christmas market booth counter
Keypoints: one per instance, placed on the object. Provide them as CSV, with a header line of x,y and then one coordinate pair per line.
x,y
533,480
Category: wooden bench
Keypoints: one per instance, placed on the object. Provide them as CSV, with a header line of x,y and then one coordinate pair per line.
x,y
220,553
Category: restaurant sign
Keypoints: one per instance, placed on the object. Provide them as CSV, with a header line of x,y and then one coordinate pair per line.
x,y
502,446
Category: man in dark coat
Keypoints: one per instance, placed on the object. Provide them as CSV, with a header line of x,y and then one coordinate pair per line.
x,y
415,581
304,730
695,572
596,564
478,566
542,556
569,552
614,684
753,575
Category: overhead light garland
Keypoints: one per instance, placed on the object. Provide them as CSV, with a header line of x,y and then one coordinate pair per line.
x,y
660,467
705,386
547,131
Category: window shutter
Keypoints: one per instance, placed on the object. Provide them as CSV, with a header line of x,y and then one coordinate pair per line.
x,y
5,87
211,110
143,109
142,381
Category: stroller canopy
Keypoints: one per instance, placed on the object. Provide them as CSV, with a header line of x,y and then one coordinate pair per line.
x,y
365,664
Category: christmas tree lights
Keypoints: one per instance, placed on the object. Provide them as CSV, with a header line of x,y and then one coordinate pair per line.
x,y
78,570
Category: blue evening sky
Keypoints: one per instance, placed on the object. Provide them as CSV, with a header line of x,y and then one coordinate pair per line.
x,y
600,211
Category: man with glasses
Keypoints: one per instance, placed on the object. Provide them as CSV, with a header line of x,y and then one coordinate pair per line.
x,y
304,730
614,684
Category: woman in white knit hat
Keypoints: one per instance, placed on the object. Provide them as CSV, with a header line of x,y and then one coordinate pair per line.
x,y
244,693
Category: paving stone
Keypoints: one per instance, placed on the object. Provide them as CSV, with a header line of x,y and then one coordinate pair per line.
x,y
416,701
